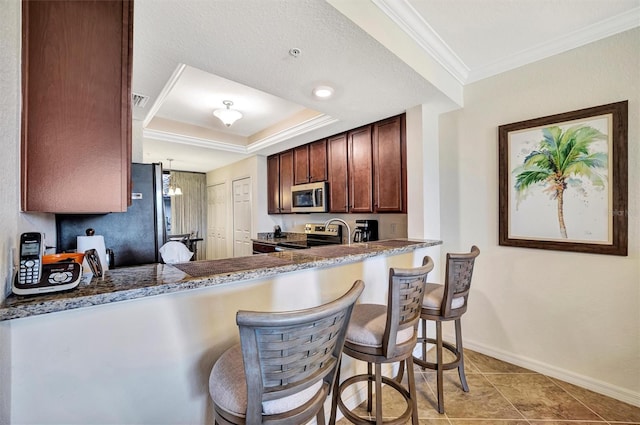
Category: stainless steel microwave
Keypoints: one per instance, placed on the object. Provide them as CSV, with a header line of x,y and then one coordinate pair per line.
x,y
310,197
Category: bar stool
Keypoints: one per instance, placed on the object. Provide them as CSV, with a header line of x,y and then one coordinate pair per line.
x,y
444,303
284,367
380,334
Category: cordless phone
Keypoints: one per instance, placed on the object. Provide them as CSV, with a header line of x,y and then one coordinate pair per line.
x,y
31,250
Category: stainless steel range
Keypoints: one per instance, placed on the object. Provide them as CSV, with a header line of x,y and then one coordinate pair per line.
x,y
317,235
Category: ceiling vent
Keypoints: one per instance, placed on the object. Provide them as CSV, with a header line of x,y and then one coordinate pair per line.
x,y
139,100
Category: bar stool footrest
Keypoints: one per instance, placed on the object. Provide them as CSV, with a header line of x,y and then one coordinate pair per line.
x,y
358,420
445,366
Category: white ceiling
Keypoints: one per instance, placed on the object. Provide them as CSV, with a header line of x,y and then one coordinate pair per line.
x,y
189,55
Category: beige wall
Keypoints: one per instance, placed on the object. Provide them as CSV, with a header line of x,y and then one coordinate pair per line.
x,y
571,315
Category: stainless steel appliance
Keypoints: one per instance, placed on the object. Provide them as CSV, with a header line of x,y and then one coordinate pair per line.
x,y
366,231
317,235
310,197
134,236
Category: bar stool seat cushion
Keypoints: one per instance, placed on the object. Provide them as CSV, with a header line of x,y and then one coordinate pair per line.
x,y
367,326
433,294
228,386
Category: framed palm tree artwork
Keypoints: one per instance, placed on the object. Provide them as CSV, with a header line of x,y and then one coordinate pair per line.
x,y
563,181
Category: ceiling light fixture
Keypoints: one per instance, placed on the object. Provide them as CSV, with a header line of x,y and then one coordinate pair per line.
x,y
228,116
323,92
174,189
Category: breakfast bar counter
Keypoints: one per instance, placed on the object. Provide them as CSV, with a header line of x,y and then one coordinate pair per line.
x,y
137,346
129,283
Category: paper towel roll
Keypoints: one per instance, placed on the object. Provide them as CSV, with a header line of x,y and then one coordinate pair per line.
x,y
94,242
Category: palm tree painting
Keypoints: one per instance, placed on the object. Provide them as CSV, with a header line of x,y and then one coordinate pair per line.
x,y
558,161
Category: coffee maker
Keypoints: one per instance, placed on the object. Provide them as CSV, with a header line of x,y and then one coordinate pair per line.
x,y
366,231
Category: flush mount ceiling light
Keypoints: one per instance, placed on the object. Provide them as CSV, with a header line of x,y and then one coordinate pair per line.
x,y
323,92
228,116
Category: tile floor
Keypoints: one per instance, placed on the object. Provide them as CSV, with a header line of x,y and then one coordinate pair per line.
x,y
504,394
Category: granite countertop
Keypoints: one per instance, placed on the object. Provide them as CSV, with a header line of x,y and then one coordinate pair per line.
x,y
288,237
129,283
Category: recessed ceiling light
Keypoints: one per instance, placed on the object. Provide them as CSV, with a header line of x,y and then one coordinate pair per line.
x,y
295,52
323,92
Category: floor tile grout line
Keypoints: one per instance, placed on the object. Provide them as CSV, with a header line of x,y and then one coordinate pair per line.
x,y
575,398
506,398
423,373
496,388
480,372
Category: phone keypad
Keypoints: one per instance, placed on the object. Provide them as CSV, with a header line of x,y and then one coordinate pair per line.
x,y
29,271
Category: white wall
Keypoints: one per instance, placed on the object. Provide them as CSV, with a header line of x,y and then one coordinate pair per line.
x,y
572,315
9,172
12,222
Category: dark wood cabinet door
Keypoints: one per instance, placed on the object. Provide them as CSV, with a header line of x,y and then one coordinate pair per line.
x,y
260,248
301,165
360,171
318,161
389,159
76,116
273,184
338,174
310,163
286,180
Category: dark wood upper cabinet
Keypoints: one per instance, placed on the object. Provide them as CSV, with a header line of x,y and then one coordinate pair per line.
x,y
366,169
279,182
318,161
360,171
338,173
389,165
76,106
310,162
301,164
286,180
273,184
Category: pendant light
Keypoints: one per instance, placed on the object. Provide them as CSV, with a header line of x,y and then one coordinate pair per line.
x,y
228,116
174,189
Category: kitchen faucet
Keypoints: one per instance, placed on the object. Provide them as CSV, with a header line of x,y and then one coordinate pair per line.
x,y
342,222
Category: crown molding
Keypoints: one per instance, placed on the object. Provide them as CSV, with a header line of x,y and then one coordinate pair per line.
x,y
297,130
193,141
411,22
598,31
163,94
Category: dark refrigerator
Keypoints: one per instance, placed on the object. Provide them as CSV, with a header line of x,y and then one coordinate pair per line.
x,y
134,236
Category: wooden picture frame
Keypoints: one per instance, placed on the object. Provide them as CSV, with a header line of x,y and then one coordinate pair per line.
x,y
563,181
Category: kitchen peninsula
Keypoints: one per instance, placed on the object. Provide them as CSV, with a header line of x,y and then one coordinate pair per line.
x,y
144,354
155,279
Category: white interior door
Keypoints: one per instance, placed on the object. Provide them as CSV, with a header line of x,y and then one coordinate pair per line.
x,y
242,244
217,221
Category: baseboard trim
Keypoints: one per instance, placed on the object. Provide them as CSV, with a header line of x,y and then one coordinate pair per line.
x,y
594,385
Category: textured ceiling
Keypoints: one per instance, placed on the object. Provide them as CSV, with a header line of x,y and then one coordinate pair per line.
x,y
248,43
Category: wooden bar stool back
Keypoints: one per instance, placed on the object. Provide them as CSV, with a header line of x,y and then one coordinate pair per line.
x,y
381,334
285,365
444,303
